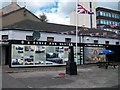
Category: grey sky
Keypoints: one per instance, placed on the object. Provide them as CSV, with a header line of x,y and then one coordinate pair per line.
x,y
109,5
63,7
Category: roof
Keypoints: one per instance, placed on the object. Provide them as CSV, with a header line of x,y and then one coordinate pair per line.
x,y
23,8
29,25
40,26
107,10
12,12
9,8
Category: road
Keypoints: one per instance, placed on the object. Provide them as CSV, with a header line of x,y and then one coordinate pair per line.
x,y
88,77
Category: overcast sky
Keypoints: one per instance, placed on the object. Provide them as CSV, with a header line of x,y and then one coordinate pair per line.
x,y
57,11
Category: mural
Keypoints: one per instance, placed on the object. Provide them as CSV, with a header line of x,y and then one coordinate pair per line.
x,y
35,55
38,55
91,55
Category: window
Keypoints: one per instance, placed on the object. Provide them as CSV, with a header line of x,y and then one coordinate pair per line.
x,y
98,13
118,32
106,14
113,22
106,42
4,37
67,39
116,23
109,15
113,15
119,24
29,38
107,22
118,16
101,13
101,21
104,22
50,38
117,43
110,22
98,21
95,41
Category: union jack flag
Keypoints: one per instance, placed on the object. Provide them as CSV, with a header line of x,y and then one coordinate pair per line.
x,y
114,36
112,26
104,33
82,10
72,32
101,26
97,34
61,32
78,31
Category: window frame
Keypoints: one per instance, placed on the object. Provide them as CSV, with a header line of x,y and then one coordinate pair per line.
x,y
50,39
4,37
68,40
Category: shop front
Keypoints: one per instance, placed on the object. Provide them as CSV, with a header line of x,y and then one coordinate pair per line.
x,y
42,53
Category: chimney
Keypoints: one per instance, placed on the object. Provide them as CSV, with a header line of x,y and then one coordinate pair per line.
x,y
14,1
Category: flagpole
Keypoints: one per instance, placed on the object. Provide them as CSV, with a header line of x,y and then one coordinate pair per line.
x,y
76,28
91,15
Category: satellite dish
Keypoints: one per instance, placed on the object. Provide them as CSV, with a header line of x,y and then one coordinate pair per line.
x,y
36,35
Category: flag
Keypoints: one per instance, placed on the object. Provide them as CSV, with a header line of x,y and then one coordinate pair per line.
x,y
91,34
61,32
101,26
72,32
112,26
85,29
82,10
97,34
64,33
78,31
114,36
104,33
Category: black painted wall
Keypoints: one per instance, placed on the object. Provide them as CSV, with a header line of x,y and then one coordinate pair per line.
x,y
116,56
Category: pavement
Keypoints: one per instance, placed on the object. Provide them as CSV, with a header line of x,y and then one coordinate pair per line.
x,y
89,76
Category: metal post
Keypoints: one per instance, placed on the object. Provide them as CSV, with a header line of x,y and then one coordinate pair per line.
x,y
76,27
91,15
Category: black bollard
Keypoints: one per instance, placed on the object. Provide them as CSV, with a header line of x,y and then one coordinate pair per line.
x,y
71,67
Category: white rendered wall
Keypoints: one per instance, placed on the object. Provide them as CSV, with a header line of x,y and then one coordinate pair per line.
x,y
21,35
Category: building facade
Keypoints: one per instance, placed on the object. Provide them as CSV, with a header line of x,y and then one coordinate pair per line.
x,y
20,48
52,48
13,13
9,8
108,20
